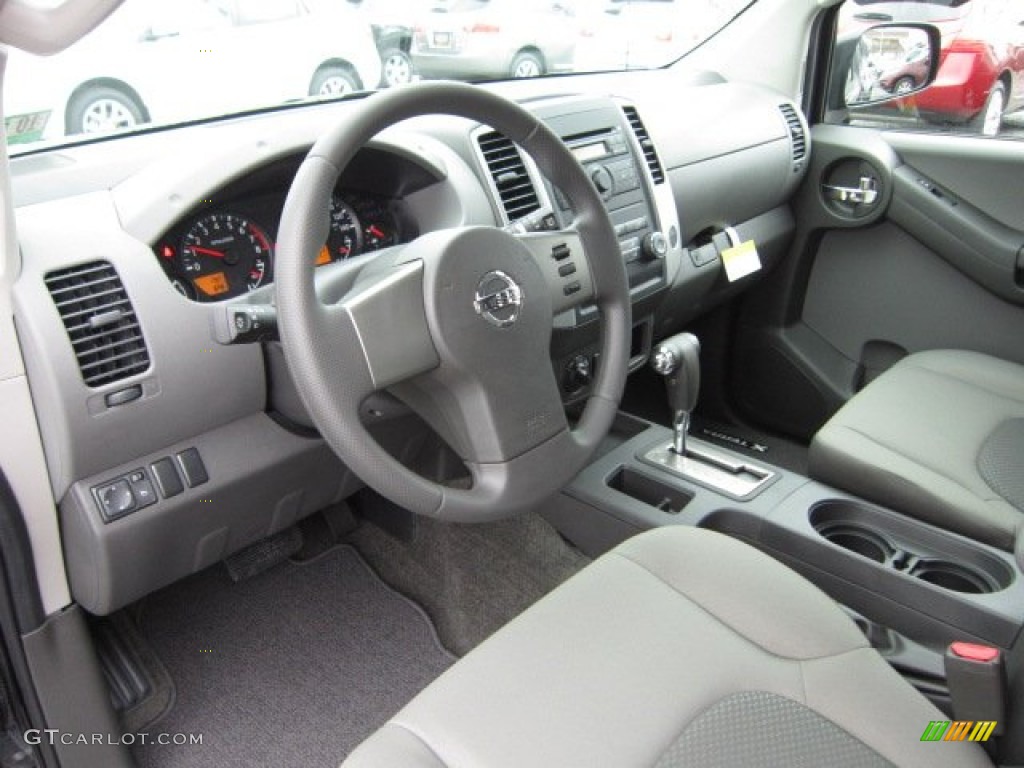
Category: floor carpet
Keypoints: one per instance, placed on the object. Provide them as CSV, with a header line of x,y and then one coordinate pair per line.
x,y
472,579
292,667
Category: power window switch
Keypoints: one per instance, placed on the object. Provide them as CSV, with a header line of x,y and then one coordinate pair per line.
x,y
115,499
168,481
192,467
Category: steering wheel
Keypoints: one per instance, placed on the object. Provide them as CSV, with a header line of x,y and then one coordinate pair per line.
x,y
457,324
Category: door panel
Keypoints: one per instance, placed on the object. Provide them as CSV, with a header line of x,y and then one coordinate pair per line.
x,y
881,285
937,261
985,172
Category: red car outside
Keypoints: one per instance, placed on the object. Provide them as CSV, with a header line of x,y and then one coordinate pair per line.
x,y
981,64
910,74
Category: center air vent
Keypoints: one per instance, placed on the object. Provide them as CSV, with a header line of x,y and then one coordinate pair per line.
x,y
797,137
513,183
100,322
650,155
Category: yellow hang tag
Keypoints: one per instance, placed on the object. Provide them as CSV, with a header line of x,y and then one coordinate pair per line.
x,y
741,260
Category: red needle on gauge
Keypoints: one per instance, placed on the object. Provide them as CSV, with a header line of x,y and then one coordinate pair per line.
x,y
376,231
207,251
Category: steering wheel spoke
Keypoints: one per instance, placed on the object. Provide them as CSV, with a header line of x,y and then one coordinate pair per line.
x,y
563,260
386,313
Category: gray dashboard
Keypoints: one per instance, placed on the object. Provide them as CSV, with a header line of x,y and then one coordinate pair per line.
x,y
729,156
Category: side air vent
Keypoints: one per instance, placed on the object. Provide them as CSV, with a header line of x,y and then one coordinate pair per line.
x,y
505,164
100,322
645,143
797,137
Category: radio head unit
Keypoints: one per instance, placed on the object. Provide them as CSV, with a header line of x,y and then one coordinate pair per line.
x,y
608,156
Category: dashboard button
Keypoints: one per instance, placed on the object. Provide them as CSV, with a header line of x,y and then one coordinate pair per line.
x,y
167,478
192,467
561,252
566,269
142,490
115,499
570,288
123,396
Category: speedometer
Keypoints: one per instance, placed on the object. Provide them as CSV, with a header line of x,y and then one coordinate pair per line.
x,y
223,255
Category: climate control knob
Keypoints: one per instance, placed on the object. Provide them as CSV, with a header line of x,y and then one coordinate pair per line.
x,y
654,246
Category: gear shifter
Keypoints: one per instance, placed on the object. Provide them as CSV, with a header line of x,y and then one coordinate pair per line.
x,y
678,360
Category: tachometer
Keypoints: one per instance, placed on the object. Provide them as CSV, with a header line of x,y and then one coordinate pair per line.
x,y
346,237
223,255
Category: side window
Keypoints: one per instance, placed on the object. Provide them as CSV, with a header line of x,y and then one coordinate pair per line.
x,y
979,86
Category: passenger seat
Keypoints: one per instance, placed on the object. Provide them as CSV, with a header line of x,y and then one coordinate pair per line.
x,y
939,436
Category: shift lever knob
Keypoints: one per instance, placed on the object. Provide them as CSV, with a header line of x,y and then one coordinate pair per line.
x,y
678,360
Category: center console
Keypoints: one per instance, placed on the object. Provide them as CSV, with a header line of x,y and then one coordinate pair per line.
x,y
911,587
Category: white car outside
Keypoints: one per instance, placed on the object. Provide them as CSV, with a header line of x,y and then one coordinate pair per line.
x,y
169,62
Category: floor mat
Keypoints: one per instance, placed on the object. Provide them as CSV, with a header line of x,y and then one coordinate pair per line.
x,y
293,667
472,579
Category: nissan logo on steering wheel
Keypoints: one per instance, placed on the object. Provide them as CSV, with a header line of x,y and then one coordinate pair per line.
x,y
498,299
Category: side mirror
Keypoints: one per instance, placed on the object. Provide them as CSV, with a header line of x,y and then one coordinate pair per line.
x,y
891,61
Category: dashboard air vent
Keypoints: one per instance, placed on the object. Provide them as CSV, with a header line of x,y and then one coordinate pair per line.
x,y
796,132
645,143
505,164
100,321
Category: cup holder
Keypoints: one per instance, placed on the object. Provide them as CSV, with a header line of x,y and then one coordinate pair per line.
x,y
930,556
953,577
857,539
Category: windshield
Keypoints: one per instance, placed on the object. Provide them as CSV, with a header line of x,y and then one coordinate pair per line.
x,y
160,62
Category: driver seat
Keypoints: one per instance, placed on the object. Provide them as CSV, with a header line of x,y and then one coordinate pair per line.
x,y
680,647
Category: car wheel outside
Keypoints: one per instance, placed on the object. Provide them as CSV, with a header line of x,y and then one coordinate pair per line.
x,y
333,81
527,64
103,109
989,121
904,86
396,68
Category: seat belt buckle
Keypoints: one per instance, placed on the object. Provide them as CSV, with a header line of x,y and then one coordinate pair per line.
x,y
976,677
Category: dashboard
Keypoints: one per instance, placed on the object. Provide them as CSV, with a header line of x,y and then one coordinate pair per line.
x,y
223,247
224,251
171,442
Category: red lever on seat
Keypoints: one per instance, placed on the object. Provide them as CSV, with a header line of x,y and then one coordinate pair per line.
x,y
974,651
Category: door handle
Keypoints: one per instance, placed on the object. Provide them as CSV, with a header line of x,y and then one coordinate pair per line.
x,y
865,194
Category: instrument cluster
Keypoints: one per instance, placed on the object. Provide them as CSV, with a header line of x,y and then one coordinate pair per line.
x,y
226,249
